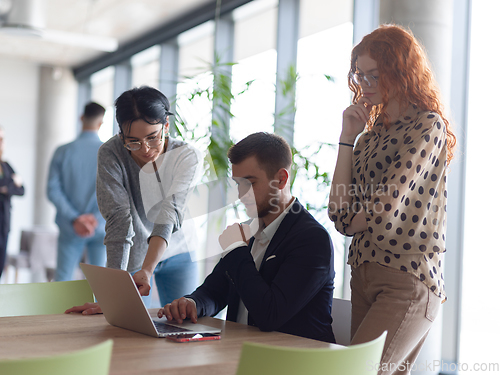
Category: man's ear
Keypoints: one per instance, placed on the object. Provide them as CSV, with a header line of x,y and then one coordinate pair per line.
x,y
166,127
282,176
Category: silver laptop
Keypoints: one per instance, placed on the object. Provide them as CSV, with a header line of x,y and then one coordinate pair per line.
x,y
123,307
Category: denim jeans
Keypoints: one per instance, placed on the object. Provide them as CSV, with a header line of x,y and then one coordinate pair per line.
x,y
174,277
70,251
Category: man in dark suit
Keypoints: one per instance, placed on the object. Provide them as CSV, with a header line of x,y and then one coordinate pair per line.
x,y
281,279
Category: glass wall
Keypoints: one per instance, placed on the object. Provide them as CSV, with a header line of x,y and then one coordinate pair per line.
x,y
480,304
146,67
194,109
254,74
326,33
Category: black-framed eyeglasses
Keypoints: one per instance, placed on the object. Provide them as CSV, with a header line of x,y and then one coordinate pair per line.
x,y
370,80
152,142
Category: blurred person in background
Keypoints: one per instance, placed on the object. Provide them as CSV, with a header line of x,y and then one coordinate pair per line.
x,y
10,184
71,188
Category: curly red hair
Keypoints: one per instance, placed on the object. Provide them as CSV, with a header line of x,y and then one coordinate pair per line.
x,y
403,67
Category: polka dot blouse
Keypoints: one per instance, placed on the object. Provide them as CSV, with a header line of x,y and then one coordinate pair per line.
x,y
398,178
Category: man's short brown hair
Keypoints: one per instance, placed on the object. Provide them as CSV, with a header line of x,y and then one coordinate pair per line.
x,y
271,151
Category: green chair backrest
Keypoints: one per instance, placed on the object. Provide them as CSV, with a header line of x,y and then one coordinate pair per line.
x,y
90,361
43,298
278,360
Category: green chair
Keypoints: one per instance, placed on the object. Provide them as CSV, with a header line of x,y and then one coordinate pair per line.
x,y
278,360
94,360
43,298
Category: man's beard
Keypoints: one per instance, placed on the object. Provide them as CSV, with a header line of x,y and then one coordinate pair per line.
x,y
269,206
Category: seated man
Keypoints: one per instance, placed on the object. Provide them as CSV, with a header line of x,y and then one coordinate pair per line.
x,y
282,278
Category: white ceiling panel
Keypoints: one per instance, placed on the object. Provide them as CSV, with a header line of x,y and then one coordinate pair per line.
x,y
124,20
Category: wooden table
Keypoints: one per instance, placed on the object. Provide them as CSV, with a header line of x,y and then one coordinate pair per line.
x,y
135,353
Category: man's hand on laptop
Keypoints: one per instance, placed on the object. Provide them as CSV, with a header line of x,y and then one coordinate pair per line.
x,y
179,309
87,309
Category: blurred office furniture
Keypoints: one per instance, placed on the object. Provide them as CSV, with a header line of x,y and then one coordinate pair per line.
x,y
37,252
341,314
43,298
361,359
94,360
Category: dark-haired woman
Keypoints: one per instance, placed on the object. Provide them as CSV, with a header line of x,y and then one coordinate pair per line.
x,y
143,181
389,192
10,184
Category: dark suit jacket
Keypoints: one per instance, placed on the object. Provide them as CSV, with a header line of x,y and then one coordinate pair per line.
x,y
291,293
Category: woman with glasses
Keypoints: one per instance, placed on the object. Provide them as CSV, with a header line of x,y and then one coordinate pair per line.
x,y
143,182
389,193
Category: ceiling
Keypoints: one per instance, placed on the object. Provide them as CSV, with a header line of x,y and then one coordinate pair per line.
x,y
122,19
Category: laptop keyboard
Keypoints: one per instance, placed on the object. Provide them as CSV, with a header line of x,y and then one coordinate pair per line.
x,y
162,327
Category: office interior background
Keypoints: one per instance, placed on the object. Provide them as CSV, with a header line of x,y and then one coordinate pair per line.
x,y
288,62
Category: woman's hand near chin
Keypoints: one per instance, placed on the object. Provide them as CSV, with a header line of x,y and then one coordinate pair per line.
x,y
354,120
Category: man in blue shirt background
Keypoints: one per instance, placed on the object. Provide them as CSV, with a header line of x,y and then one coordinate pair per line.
x,y
71,188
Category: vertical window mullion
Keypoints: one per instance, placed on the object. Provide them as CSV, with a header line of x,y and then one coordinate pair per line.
x,y
84,96
286,46
169,74
123,82
456,184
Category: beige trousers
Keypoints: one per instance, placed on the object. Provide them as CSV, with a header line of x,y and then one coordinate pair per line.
x,y
387,299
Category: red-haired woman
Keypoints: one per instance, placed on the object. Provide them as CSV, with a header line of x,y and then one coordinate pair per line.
x,y
389,193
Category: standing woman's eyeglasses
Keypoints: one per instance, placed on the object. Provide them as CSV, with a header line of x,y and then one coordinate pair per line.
x,y
370,81
151,142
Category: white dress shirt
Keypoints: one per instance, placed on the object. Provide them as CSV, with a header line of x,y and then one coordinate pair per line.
x,y
263,237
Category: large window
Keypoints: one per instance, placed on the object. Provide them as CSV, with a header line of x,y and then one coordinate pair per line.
x,y
194,109
146,68
480,304
255,55
196,54
324,49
